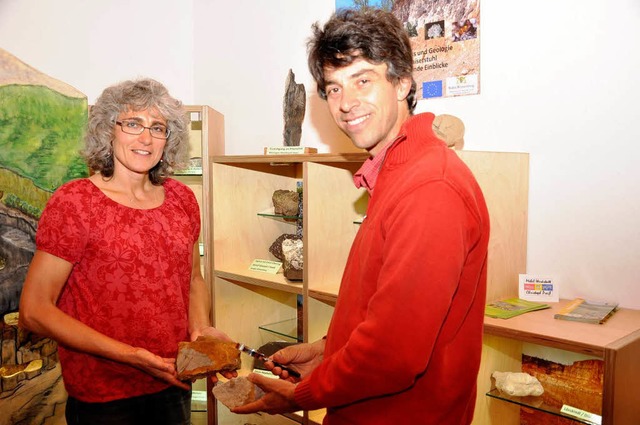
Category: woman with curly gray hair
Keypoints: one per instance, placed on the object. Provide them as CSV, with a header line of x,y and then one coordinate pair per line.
x,y
116,278
137,96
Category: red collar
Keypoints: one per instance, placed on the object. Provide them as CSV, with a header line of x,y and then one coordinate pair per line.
x,y
368,173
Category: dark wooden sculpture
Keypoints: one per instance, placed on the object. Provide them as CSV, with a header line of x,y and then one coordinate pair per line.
x,y
294,107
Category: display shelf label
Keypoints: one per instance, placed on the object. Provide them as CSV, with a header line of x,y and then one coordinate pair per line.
x,y
288,150
265,266
582,414
538,288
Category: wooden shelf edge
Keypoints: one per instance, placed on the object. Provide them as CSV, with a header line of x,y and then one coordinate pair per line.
x,y
326,297
311,157
535,338
255,280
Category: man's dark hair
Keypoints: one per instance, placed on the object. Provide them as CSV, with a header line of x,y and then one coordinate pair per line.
x,y
371,34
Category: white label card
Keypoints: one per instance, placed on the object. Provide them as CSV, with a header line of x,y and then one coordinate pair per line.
x,y
538,288
266,266
285,150
582,414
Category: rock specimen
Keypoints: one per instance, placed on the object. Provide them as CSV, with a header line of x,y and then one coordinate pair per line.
x,y
293,258
276,246
517,384
237,392
450,129
285,202
206,356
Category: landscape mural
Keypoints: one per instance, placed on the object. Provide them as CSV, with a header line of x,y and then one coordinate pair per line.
x,y
42,122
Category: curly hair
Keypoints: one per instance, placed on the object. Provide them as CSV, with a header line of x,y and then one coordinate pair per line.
x,y
136,95
375,35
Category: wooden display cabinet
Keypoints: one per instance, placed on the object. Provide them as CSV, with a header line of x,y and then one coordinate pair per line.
x,y
616,342
247,302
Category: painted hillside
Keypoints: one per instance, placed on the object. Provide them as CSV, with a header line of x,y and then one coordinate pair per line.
x,y
42,121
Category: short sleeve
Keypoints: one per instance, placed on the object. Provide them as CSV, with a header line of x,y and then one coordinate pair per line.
x,y
187,201
63,226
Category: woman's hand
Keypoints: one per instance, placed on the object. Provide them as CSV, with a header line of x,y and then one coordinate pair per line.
x,y
160,367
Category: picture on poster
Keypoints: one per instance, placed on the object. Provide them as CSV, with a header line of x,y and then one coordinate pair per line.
x,y
445,40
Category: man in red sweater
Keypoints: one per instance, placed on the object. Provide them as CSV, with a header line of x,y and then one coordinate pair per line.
x,y
405,338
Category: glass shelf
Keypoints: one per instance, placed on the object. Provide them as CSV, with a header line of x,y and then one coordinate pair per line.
x,y
359,220
286,328
536,403
270,213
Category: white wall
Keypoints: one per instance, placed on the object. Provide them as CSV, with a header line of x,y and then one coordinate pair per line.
x,y
93,44
558,81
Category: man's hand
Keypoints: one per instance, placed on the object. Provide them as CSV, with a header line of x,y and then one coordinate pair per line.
x,y
278,397
303,358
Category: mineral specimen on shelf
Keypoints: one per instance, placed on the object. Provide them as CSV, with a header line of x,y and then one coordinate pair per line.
x,y
293,258
517,383
450,129
285,202
276,246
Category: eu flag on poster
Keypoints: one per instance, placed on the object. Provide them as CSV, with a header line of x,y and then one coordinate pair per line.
x,y
432,89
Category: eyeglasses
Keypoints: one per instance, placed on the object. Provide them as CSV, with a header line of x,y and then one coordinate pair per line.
x,y
158,131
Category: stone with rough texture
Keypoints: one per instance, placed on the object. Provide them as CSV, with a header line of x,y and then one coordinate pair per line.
x,y
276,246
285,202
450,129
206,356
237,392
292,250
517,384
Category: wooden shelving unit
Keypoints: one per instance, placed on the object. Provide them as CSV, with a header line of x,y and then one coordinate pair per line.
x,y
246,300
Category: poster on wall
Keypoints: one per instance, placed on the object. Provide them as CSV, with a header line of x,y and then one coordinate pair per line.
x,y
445,39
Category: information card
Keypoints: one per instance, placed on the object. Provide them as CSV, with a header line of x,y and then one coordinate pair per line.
x,y
538,288
265,266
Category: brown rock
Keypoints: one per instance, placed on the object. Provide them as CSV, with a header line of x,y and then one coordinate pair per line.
x,y
285,202
237,392
450,129
206,356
